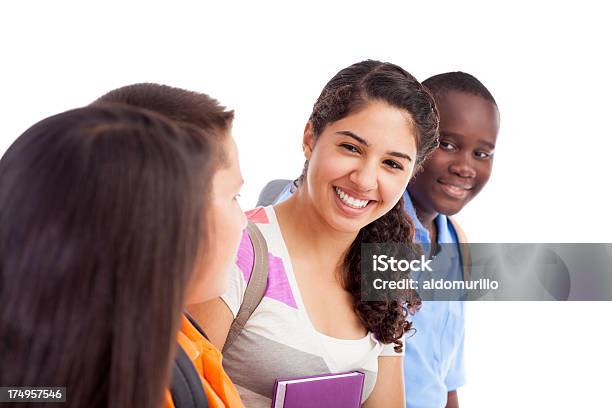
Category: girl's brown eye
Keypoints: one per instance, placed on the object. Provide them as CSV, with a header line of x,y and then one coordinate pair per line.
x,y
393,164
350,147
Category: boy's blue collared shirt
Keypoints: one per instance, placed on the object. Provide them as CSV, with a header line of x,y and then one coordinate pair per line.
x,y
434,364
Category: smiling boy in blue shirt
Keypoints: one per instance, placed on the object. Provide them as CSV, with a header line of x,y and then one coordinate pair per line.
x,y
454,174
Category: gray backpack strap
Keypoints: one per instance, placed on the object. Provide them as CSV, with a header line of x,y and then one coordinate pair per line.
x,y
256,287
271,191
464,249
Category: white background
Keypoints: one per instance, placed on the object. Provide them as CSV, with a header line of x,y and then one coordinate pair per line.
x,y
547,64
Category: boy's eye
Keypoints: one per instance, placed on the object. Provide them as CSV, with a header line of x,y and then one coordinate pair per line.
x,y
393,164
482,155
447,146
350,147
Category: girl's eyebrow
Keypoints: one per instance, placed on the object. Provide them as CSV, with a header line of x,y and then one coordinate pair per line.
x,y
354,136
401,155
364,142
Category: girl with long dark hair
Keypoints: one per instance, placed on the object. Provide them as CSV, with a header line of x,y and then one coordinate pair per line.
x,y
103,225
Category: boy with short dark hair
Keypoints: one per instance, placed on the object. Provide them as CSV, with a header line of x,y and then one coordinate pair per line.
x,y
198,377
182,106
453,175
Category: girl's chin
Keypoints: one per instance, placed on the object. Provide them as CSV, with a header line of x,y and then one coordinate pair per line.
x,y
347,225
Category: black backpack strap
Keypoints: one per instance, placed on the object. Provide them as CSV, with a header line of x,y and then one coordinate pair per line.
x,y
195,324
186,386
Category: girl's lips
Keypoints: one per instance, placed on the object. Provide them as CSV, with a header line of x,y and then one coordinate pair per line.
x,y
354,194
348,210
454,191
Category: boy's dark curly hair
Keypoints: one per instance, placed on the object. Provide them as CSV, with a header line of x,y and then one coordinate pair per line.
x,y
347,92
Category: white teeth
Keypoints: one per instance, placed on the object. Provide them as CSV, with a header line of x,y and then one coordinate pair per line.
x,y
350,201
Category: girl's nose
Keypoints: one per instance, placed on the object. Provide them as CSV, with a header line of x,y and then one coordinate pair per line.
x,y
365,178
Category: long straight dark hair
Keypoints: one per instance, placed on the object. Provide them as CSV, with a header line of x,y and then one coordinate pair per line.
x,y
101,221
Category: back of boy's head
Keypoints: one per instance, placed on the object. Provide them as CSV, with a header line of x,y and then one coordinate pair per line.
x,y
179,105
457,81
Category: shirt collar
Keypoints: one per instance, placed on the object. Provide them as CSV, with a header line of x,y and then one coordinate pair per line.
x,y
421,234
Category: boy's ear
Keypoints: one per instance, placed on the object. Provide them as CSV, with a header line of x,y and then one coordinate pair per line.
x,y
308,141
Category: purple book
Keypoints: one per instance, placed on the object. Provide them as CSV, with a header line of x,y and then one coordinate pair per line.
x,y
341,390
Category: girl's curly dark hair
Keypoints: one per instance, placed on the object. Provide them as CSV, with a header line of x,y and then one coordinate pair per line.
x,y
348,91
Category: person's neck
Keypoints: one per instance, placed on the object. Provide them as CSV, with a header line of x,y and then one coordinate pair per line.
x,y
427,219
305,230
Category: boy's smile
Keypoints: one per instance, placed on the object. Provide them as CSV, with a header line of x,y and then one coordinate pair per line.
x,y
455,189
461,166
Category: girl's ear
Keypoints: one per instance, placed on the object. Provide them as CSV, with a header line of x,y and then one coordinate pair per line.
x,y
308,141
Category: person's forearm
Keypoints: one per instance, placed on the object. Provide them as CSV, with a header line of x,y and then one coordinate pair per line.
x,y
388,391
452,400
